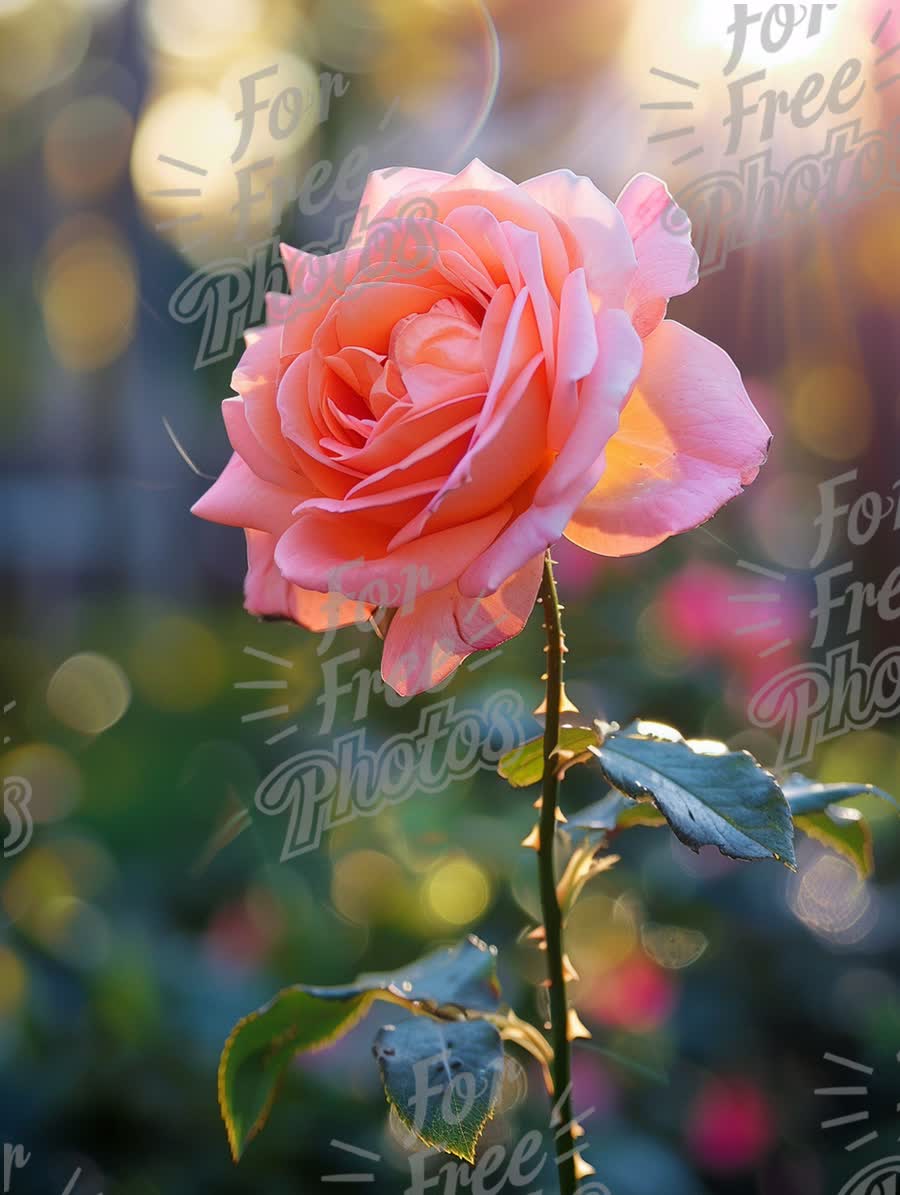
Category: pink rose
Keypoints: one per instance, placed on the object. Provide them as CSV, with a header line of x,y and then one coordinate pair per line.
x,y
435,405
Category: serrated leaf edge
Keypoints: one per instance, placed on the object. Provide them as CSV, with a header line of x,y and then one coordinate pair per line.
x,y
435,1144
364,1002
646,795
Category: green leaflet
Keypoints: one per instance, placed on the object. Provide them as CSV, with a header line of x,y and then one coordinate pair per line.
x,y
443,1078
807,796
302,1018
710,796
613,812
525,765
843,831
260,1047
817,812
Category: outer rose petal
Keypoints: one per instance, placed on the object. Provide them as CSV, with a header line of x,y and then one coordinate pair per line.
x,y
668,264
429,641
577,467
489,621
609,258
423,647
268,595
326,550
383,185
689,440
255,378
247,446
238,498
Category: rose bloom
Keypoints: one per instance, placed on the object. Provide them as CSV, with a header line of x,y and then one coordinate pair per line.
x,y
485,368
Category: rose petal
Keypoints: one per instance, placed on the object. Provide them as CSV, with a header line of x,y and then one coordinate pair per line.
x,y
423,645
245,443
490,620
577,467
383,185
268,595
504,453
426,643
238,498
255,378
609,258
689,440
577,348
314,553
668,264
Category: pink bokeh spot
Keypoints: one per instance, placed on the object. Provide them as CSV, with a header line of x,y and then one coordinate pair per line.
x,y
731,1126
638,996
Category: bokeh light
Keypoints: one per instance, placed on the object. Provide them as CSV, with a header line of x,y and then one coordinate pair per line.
x,y
86,146
176,662
89,692
89,295
457,891
831,411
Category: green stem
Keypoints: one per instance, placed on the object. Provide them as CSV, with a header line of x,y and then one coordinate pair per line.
x,y
562,1068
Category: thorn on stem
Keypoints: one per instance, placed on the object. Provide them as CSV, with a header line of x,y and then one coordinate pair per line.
x,y
533,841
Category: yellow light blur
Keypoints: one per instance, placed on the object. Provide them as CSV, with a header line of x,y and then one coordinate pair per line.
x,y
600,934
831,412
196,197
457,891
89,866
89,693
13,982
700,54
177,663
868,753
75,931
783,513
54,777
193,126
364,885
35,883
878,253
86,146
11,8
89,299
39,50
709,20
196,29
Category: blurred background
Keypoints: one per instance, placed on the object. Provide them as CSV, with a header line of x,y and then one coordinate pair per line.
x,y
142,913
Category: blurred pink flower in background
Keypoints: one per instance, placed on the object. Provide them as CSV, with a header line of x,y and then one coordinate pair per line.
x,y
242,934
704,612
638,995
731,1126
